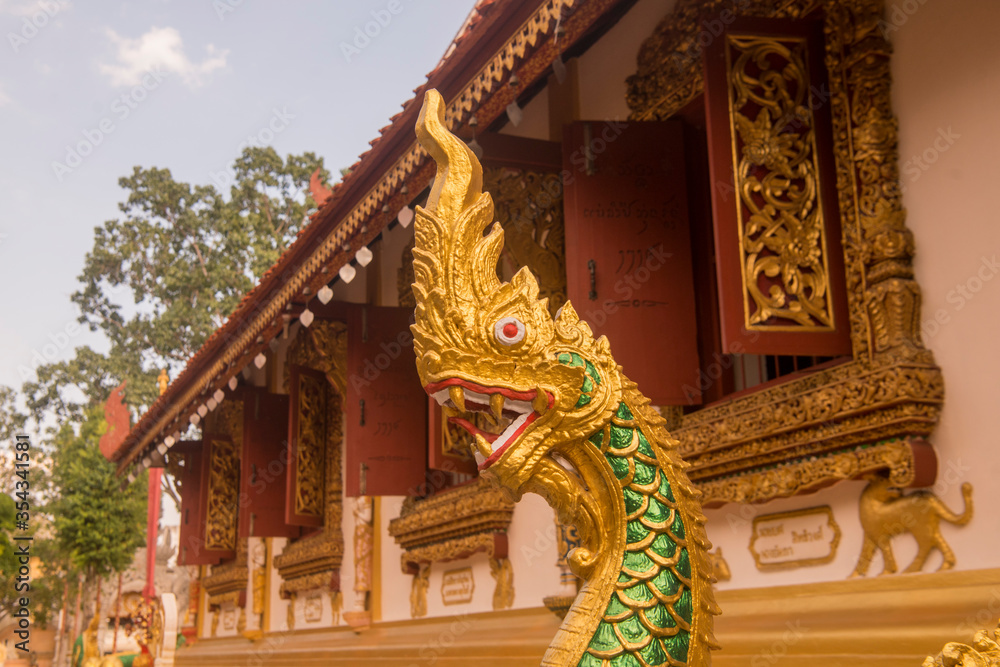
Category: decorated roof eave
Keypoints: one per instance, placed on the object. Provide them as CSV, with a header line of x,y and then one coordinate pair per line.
x,y
508,35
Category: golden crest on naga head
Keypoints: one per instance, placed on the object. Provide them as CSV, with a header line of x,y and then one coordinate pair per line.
x,y
482,344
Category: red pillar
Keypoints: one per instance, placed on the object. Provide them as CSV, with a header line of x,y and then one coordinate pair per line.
x,y
152,519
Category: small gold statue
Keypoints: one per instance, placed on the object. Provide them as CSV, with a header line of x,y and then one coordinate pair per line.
x,y
720,568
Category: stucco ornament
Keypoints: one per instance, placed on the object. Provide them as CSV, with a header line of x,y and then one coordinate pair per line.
x,y
569,427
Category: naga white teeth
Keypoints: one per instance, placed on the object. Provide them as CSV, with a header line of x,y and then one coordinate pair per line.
x,y
496,406
541,401
457,397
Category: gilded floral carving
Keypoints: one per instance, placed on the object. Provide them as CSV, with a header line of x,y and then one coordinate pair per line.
x,y
891,389
314,561
224,477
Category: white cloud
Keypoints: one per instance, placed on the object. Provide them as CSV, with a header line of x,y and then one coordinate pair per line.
x,y
31,8
159,49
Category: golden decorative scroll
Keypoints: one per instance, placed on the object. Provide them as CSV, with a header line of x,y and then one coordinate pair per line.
x,y
322,346
803,422
314,561
452,524
893,458
224,478
311,446
886,512
227,582
780,213
534,230
455,523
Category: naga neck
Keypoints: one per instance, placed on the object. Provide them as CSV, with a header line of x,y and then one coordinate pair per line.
x,y
640,526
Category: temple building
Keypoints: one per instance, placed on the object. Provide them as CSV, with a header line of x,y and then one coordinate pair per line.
x,y
733,192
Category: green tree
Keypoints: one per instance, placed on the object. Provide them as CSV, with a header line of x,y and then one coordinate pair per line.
x,y
97,525
12,423
8,559
163,276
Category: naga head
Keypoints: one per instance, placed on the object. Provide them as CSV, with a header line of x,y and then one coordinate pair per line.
x,y
488,346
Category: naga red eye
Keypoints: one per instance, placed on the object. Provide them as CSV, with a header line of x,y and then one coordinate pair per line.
x,y
509,330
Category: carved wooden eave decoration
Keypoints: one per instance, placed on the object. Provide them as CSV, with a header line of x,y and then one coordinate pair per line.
x,y
455,523
871,412
313,562
476,76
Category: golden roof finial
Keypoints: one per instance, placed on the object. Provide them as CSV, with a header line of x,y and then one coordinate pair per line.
x,y
163,380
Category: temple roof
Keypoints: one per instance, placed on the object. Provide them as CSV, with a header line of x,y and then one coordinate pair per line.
x,y
497,37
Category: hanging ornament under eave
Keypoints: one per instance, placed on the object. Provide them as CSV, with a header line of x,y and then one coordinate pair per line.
x,y
306,318
202,410
364,256
169,441
405,217
514,113
347,273
212,404
476,148
559,69
232,383
219,396
194,419
161,448
260,360
324,294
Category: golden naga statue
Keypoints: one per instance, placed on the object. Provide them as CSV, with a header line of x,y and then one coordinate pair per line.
x,y
571,428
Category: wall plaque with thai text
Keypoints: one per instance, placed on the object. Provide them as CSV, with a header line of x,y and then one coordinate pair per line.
x,y
794,539
457,586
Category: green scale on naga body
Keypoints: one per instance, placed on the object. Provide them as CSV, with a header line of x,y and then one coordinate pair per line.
x,y
574,429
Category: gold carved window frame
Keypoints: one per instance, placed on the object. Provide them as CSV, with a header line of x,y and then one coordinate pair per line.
x,y
313,562
874,412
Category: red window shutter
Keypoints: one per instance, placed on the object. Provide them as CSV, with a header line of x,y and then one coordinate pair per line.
x,y
780,263
628,250
192,529
386,429
263,479
307,444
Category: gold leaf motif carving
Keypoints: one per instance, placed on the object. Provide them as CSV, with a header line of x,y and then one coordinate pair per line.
x,y
313,562
311,446
777,177
224,477
534,230
451,524
803,426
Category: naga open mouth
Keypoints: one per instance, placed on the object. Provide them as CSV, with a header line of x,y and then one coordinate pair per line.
x,y
511,411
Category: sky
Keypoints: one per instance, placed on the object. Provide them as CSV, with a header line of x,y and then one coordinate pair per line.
x,y
88,90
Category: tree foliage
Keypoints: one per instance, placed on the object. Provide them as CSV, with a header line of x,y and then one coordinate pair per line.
x,y
98,525
163,277
157,282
